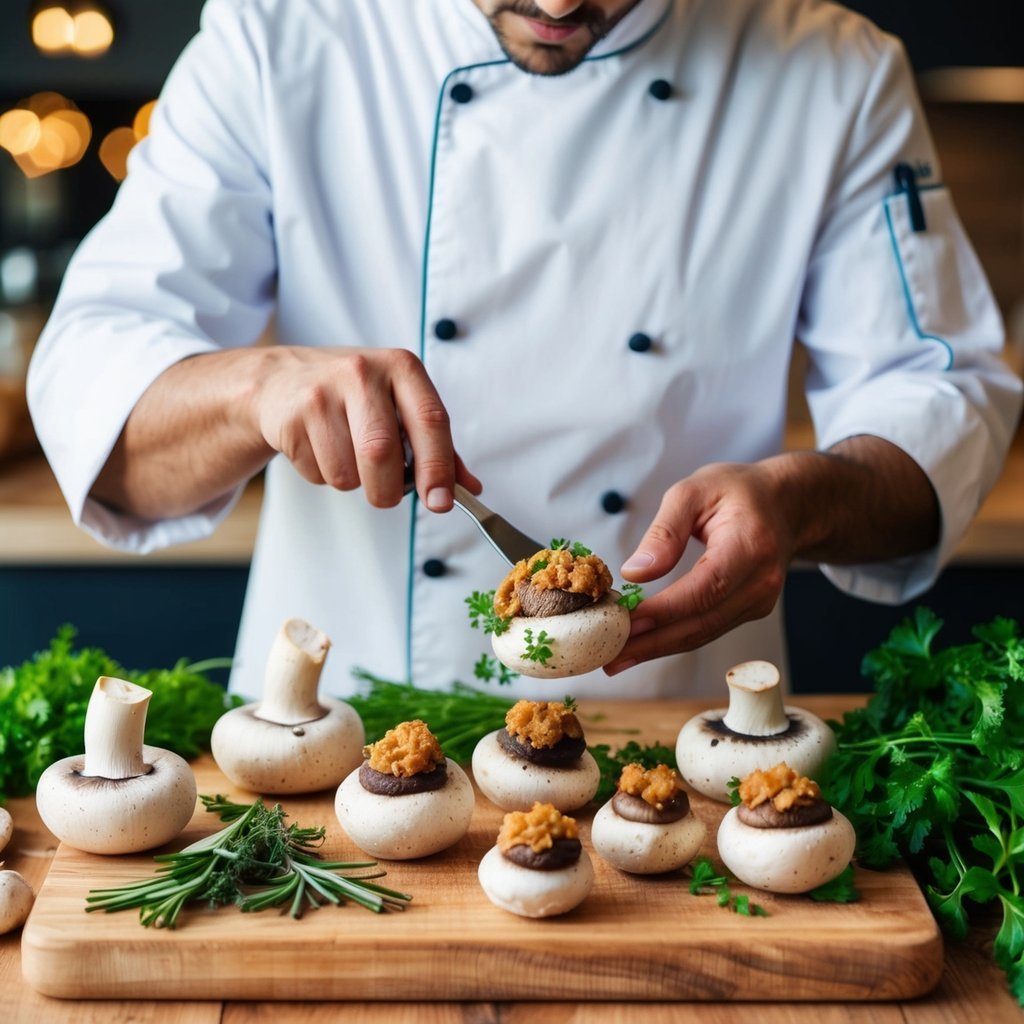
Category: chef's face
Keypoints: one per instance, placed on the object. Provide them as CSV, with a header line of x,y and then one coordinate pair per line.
x,y
550,37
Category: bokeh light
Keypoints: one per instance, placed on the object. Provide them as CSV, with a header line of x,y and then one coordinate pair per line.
x,y
93,34
45,133
89,32
141,123
53,30
114,150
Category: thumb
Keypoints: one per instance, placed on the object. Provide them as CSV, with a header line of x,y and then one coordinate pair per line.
x,y
663,544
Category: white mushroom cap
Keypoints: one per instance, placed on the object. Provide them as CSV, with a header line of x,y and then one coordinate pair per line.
x,y
6,827
266,757
786,860
16,899
582,640
407,826
755,731
646,849
113,816
515,784
532,893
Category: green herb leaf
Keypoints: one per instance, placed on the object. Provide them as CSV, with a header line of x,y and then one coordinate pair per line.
x,y
482,614
538,650
488,669
574,547
632,595
840,890
705,880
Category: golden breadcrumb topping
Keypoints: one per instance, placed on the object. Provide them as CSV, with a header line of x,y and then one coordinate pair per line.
x,y
586,574
655,786
783,786
408,749
537,828
542,722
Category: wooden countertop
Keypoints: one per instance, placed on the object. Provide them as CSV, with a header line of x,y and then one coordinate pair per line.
x,y
36,529
971,988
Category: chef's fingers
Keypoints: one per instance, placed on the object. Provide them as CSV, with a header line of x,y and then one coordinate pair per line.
x,y
428,430
666,538
312,433
737,579
370,405
330,453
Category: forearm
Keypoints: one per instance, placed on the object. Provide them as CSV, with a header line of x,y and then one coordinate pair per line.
x,y
190,439
863,500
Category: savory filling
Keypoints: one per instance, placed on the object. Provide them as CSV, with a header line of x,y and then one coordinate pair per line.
x,y
541,838
407,759
554,581
779,797
652,796
544,732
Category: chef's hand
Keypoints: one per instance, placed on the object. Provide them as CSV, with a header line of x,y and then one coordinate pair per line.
x,y
748,545
339,415
864,500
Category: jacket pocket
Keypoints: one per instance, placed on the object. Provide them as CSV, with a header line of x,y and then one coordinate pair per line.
x,y
945,288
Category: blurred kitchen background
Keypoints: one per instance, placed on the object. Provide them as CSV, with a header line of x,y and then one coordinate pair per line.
x,y
78,79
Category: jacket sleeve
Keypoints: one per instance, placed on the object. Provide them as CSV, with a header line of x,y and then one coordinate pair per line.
x,y
902,332
184,263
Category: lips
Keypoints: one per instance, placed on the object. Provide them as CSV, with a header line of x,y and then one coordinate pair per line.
x,y
549,33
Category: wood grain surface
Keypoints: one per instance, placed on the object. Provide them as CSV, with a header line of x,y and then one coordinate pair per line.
x,y
633,939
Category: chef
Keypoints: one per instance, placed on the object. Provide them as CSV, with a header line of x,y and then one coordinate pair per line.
x,y
563,247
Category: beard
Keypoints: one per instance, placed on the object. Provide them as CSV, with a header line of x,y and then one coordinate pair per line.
x,y
539,58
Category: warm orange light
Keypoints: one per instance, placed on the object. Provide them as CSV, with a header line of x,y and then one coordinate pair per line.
x,y
88,33
20,130
140,126
43,103
93,33
47,133
53,30
114,150
73,130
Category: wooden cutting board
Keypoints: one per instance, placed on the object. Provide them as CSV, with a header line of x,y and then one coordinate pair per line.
x,y
634,938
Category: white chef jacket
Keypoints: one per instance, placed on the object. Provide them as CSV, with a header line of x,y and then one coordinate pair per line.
x,y
603,278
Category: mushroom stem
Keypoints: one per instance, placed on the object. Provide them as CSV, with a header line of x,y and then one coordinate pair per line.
x,y
755,700
115,725
293,674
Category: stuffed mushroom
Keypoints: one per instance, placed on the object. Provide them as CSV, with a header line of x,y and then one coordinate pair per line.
x,y
540,755
407,799
783,836
559,616
647,827
538,868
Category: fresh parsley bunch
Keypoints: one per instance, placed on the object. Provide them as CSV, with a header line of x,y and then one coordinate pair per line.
x,y
932,770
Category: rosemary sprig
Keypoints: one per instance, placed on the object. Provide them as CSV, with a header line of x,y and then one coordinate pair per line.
x,y
255,862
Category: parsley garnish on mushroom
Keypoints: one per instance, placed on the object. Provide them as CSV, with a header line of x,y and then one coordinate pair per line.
x,y
555,613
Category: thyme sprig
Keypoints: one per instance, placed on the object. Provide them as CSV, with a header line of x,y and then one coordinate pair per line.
x,y
255,862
